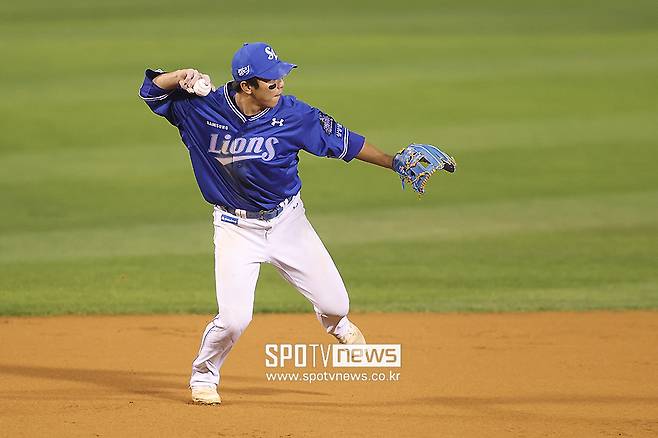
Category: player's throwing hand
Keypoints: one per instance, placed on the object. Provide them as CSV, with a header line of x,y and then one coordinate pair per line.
x,y
189,79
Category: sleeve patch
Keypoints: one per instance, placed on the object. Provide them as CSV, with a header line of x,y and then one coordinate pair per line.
x,y
327,123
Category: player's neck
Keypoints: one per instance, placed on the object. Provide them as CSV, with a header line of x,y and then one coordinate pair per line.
x,y
247,104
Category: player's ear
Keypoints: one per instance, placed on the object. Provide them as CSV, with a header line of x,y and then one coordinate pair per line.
x,y
244,86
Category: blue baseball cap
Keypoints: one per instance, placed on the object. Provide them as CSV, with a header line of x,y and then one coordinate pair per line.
x,y
258,60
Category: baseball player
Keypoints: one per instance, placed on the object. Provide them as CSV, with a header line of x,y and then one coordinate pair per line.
x,y
243,140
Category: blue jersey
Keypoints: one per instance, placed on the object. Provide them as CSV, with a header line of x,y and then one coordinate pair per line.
x,y
248,162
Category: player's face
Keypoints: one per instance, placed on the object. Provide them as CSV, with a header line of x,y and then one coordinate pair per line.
x,y
268,93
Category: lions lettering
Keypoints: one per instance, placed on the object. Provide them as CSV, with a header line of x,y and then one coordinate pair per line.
x,y
239,148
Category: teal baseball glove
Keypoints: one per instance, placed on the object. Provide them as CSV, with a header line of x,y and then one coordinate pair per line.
x,y
417,162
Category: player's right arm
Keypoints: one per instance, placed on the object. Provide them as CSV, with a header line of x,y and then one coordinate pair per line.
x,y
163,96
184,78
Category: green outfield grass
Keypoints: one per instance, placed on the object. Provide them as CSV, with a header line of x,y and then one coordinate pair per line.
x,y
549,108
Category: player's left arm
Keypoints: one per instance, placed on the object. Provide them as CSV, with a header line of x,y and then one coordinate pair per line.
x,y
415,164
371,154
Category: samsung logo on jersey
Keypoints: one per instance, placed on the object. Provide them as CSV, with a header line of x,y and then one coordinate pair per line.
x,y
216,125
239,148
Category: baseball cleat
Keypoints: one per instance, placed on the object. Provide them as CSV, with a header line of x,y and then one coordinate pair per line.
x,y
205,395
353,336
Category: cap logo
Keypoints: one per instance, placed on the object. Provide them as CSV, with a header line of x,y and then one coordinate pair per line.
x,y
271,54
244,70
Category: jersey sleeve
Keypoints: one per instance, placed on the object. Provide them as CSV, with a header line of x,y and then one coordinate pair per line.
x,y
325,137
169,104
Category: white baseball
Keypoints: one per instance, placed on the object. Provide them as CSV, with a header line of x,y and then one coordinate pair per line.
x,y
202,87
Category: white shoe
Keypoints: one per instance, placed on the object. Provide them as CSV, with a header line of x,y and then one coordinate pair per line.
x,y
205,395
353,336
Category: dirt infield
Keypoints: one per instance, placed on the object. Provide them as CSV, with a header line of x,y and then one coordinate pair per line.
x,y
547,374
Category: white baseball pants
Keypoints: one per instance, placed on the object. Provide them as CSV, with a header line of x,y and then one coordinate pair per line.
x,y
289,243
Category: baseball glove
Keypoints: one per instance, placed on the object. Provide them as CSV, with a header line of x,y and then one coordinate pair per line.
x,y
417,162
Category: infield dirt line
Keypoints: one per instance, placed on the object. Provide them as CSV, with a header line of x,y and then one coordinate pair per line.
x,y
527,374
